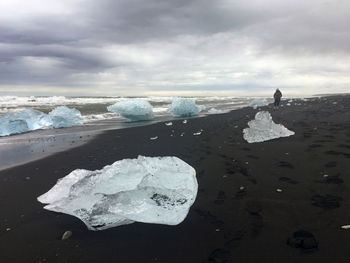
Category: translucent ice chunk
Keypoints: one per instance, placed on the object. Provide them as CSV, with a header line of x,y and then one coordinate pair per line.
x,y
156,190
263,129
215,111
63,116
133,109
22,121
184,107
258,103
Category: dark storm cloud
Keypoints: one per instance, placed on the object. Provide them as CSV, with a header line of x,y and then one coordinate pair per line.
x,y
80,41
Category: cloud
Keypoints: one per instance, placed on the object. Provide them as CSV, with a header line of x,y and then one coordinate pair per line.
x,y
143,47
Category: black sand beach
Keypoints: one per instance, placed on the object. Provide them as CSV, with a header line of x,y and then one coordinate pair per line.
x,y
238,216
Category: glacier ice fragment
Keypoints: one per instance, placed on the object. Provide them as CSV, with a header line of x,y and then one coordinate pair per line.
x,y
30,120
184,107
156,190
133,109
215,111
258,103
262,128
63,116
23,121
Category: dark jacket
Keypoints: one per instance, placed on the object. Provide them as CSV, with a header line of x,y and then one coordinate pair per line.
x,y
277,94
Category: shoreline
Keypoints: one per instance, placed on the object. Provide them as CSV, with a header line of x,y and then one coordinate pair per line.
x,y
226,223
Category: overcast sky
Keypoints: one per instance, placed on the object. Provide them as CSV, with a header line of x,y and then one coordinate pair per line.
x,y
174,47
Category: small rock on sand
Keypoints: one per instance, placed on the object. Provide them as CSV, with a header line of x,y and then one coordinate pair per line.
x,y
67,235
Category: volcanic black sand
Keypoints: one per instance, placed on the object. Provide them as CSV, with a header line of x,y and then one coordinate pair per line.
x,y
238,216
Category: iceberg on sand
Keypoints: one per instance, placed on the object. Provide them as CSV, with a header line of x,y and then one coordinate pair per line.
x,y
156,190
23,121
184,107
30,120
258,103
262,128
63,116
133,109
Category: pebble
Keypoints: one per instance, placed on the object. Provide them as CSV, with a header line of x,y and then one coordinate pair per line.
x,y
241,188
67,235
279,190
154,138
345,227
184,121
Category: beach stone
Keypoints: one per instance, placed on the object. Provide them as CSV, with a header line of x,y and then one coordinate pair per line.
x,y
67,235
304,240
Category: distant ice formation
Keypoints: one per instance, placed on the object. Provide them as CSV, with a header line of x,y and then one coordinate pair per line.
x,y
157,190
262,128
258,103
215,111
30,120
184,107
63,116
133,109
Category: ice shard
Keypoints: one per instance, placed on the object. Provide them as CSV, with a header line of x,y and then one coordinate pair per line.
x,y
156,190
262,128
63,116
133,109
184,107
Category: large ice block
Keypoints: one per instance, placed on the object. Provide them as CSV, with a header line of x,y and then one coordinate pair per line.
x,y
133,109
156,190
63,116
184,107
262,128
23,121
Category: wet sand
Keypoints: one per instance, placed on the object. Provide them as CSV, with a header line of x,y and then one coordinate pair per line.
x,y
227,223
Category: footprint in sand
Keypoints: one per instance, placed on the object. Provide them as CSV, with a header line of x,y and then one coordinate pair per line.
x,y
288,180
220,199
326,201
285,165
256,220
331,164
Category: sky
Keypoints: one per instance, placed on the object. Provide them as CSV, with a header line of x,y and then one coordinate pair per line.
x,y
174,47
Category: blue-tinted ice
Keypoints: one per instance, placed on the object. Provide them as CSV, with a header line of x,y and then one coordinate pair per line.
x,y
63,116
184,107
133,109
30,120
156,190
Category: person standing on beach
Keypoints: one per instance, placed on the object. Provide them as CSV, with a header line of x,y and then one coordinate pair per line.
x,y
277,96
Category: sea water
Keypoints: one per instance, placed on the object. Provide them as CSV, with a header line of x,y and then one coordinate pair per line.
x,y
29,146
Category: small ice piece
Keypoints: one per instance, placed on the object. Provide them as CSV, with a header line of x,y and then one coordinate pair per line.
x,y
197,133
345,227
182,134
214,111
133,109
154,138
325,175
279,190
241,188
23,121
184,107
262,128
184,121
168,123
258,103
157,190
63,116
